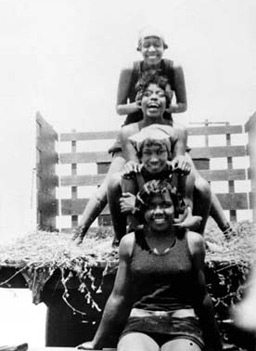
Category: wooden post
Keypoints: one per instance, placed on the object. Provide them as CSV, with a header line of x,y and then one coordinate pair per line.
x,y
47,180
250,128
74,218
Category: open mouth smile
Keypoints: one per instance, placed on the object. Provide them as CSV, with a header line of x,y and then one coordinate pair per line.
x,y
160,219
153,106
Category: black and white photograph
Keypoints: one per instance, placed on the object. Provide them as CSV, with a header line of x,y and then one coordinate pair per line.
x,y
128,175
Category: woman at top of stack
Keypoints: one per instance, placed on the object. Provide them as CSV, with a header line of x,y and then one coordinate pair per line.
x,y
151,45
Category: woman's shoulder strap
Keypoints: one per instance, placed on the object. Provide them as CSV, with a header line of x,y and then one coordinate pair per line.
x,y
168,68
136,72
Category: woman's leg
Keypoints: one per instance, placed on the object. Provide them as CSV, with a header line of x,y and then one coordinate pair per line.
x,y
201,201
98,201
137,342
185,186
180,345
118,218
215,210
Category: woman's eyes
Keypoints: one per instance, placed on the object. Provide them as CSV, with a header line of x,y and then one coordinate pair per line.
x,y
164,205
148,93
147,45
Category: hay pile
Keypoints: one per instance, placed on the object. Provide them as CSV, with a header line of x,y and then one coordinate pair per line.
x,y
57,250
53,249
239,249
38,255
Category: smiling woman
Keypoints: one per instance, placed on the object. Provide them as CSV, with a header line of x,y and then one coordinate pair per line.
x,y
160,285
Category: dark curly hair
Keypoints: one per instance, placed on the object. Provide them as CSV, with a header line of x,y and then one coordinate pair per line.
x,y
162,188
149,78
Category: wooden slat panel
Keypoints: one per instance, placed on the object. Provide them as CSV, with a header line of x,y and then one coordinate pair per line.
x,y
89,136
213,130
85,180
219,151
238,201
223,175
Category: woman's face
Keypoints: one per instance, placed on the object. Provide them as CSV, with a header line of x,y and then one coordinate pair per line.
x,y
153,101
160,212
152,50
154,157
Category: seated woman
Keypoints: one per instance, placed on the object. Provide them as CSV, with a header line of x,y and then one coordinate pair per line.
x,y
159,300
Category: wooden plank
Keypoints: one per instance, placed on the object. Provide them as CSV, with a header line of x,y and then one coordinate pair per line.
x,y
89,135
238,201
85,157
97,179
215,130
199,152
76,207
223,175
83,180
112,134
219,151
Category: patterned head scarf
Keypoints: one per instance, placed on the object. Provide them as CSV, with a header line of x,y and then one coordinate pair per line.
x,y
154,134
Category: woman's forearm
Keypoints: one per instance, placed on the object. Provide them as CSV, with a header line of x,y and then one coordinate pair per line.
x,y
126,109
113,319
178,107
209,325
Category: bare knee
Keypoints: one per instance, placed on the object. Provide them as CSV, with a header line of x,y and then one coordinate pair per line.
x,y
137,341
180,345
202,185
114,181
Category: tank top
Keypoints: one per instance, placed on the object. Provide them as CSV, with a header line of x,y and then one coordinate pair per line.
x,y
165,69
162,283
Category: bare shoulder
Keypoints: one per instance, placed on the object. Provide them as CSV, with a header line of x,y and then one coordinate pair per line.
x,y
126,246
196,242
177,66
127,69
129,130
180,129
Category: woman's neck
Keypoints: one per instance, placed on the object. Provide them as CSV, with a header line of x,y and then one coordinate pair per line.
x,y
148,121
149,67
168,233
160,243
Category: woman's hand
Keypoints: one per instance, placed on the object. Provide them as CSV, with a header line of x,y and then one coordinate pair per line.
x,y
127,203
130,168
88,345
181,164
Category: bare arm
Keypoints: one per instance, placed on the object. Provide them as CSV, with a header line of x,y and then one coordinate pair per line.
x,y
129,151
123,106
118,306
203,301
181,135
179,89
